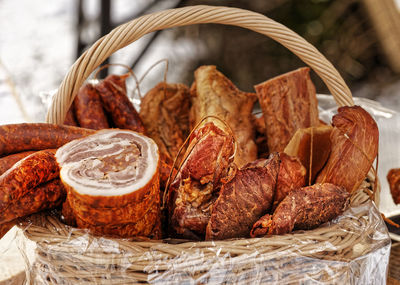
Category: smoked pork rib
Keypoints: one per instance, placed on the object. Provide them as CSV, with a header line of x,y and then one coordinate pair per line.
x,y
289,103
213,94
112,183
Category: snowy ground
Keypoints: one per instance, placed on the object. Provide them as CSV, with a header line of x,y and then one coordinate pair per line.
x,y
37,46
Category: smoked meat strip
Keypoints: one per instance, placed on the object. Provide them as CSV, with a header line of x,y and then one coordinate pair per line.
x,y
288,103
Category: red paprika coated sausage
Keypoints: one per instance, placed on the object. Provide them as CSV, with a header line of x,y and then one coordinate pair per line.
x,y
37,168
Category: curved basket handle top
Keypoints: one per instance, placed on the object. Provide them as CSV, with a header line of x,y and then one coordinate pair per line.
x,y
129,32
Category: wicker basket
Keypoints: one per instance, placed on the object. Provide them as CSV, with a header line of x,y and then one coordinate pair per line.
x,y
352,249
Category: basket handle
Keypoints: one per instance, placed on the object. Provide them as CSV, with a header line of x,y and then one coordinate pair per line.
x,y
129,32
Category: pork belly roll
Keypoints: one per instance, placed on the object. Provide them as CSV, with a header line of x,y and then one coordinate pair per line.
x,y
112,183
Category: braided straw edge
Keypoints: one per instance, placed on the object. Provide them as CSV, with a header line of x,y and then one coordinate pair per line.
x,y
133,30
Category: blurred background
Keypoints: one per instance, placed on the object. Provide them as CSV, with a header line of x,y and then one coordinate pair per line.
x,y
41,39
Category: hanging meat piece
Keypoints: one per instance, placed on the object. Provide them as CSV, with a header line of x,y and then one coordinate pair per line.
x,y
393,178
112,183
312,146
165,114
303,209
355,139
289,103
292,175
112,91
194,189
213,94
243,200
89,108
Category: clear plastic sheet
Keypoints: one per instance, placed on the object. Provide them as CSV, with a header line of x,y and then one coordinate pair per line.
x,y
352,249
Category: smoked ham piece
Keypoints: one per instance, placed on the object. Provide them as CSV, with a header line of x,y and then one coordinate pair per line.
x,y
212,94
289,103
112,183
292,175
244,199
355,140
195,187
164,111
312,146
303,209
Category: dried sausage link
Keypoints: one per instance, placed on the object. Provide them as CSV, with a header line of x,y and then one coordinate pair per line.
x,y
89,109
45,196
8,161
112,91
28,173
70,118
37,136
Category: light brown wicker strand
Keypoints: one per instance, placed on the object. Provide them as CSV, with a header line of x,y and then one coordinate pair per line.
x,y
131,31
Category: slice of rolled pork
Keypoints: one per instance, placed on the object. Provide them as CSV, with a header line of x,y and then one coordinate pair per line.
x,y
112,183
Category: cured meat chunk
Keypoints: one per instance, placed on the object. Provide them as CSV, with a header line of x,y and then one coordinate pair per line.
x,y
195,187
289,103
213,94
393,178
355,139
304,209
291,175
312,146
165,114
112,183
243,200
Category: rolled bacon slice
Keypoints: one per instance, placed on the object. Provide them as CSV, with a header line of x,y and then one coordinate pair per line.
x,y
112,183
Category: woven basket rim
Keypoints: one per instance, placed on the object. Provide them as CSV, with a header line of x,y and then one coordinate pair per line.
x,y
129,32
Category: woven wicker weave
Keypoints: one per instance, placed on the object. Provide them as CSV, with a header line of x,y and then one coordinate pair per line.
x,y
340,252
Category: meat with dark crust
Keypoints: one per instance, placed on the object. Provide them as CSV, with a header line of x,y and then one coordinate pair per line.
x,y
243,200
303,209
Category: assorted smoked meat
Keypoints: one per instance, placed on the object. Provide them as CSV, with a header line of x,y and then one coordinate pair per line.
x,y
199,160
